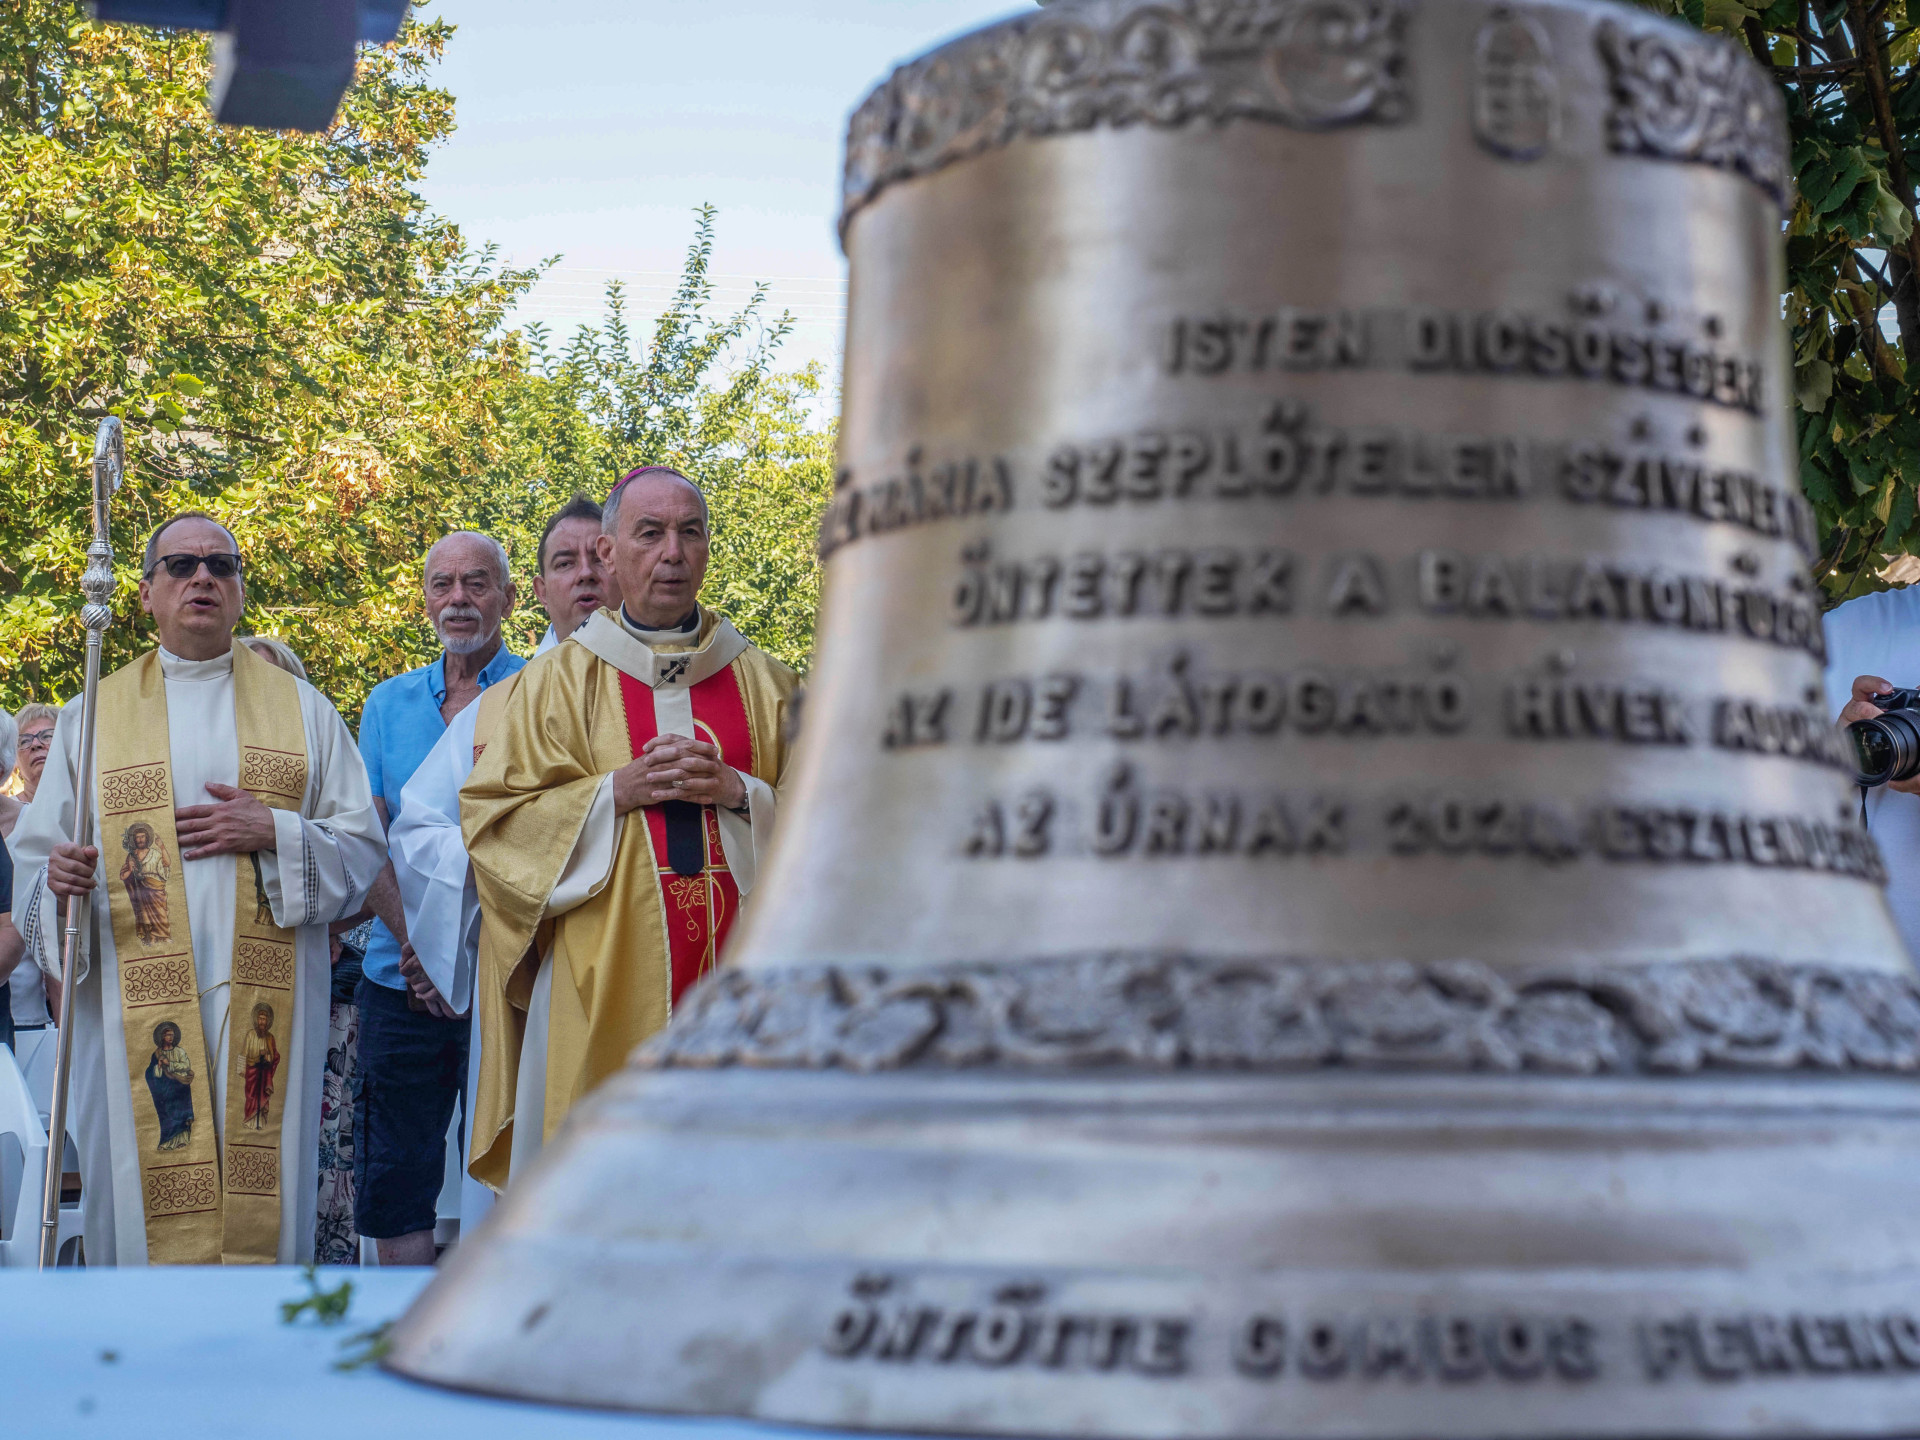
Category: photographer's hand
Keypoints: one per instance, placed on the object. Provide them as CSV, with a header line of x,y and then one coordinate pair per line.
x,y
1861,707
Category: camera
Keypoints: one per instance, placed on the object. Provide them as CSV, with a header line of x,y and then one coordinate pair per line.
x,y
1887,747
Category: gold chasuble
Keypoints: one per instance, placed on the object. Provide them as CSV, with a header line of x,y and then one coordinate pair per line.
x,y
657,919
203,1207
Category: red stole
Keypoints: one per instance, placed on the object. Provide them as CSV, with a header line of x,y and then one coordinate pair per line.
x,y
699,908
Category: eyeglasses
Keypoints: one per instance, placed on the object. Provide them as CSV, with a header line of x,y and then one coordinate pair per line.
x,y
37,739
184,567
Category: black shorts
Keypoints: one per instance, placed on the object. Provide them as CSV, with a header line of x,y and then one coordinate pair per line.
x,y
412,1070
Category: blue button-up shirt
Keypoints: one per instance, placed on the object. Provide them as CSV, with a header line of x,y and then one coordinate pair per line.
x,y
400,724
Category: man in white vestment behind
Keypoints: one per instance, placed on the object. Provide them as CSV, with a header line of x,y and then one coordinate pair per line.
x,y
429,852
238,823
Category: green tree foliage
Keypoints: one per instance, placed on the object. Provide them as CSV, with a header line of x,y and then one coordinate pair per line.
x,y
292,341
703,396
1853,253
298,346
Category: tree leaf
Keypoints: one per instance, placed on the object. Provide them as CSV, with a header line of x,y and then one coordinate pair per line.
x,y
1813,386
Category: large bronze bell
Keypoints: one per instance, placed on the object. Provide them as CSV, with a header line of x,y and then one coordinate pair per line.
x,y
1319,898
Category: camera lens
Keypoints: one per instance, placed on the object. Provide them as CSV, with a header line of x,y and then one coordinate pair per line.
x,y
1872,751
1886,748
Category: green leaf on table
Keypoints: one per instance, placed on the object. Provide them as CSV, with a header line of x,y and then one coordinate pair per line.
x,y
368,1347
329,1307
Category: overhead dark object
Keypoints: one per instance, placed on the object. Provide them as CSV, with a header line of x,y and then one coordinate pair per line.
x,y
278,64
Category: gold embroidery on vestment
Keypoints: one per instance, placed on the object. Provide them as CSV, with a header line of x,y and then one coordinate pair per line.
x,y
194,1214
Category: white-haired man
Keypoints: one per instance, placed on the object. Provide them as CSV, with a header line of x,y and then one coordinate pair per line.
x,y
430,853
413,1048
233,824
615,820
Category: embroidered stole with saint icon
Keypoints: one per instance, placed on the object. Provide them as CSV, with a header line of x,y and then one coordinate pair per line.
x,y
203,1206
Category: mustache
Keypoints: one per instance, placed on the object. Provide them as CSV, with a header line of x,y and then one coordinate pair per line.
x,y
460,610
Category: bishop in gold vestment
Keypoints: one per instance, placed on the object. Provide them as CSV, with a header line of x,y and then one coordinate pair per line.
x,y
604,898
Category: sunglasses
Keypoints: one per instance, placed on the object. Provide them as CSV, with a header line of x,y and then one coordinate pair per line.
x,y
184,567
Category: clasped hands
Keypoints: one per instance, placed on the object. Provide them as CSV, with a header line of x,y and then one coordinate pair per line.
x,y
672,767
236,824
423,988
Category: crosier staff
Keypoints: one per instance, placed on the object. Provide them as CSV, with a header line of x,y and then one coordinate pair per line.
x,y
109,468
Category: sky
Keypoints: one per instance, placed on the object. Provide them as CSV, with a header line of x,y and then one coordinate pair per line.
x,y
591,129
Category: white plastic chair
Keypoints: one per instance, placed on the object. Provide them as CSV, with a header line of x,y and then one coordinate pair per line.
x,y
23,1169
34,1050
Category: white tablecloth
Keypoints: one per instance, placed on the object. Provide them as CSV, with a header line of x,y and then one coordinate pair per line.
x,y
179,1352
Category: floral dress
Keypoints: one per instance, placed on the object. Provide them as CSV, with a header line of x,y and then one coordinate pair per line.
x,y
335,1241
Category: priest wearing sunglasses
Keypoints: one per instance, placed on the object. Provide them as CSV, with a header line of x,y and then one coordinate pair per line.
x,y
233,821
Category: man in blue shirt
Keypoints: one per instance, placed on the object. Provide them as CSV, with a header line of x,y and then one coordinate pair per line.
x,y
413,1049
